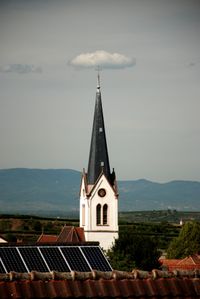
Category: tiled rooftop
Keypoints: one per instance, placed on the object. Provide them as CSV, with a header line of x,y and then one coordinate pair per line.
x,y
188,263
115,284
71,234
47,238
68,234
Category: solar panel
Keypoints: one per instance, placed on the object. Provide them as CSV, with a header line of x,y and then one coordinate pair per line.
x,y
54,259
75,259
11,260
2,268
33,259
96,258
48,258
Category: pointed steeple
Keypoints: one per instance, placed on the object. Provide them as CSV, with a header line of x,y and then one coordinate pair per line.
x,y
98,158
98,191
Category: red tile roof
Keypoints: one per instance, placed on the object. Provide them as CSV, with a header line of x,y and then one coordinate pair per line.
x,y
71,234
188,263
68,234
191,260
47,239
139,284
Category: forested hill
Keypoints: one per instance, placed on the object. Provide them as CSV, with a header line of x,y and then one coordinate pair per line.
x,y
55,192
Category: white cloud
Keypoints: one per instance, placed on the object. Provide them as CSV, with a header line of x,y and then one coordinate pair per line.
x,y
103,59
20,68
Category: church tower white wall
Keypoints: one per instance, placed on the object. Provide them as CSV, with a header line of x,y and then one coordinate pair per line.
x,y
99,213
98,192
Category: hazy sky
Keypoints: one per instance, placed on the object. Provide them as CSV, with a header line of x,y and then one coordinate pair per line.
x,y
150,94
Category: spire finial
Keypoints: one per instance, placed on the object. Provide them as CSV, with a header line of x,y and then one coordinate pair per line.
x,y
98,78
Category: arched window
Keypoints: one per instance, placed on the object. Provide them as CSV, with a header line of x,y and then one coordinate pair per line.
x,y
98,214
105,214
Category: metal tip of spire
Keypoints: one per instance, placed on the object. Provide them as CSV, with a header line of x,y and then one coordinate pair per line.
x,y
98,78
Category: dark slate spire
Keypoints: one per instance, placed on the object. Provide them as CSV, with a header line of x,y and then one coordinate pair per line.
x,y
98,159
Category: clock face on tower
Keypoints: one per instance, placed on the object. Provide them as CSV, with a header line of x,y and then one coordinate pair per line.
x,y
102,192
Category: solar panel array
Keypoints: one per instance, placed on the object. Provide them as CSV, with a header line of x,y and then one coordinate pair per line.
x,y
52,258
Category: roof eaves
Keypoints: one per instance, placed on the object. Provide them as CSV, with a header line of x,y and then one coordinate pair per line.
x,y
96,284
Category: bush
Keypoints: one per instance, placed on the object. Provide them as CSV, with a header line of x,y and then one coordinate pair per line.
x,y
134,251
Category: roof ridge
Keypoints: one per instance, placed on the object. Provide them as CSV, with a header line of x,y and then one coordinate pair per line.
x,y
96,275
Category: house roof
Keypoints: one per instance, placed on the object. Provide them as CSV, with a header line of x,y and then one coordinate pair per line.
x,y
191,260
188,263
47,238
98,157
2,240
71,234
115,284
169,262
68,234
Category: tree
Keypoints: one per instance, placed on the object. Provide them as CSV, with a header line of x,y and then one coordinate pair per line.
x,y
187,243
37,226
10,237
132,250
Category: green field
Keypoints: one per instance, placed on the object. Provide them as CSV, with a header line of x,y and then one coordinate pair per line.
x,y
171,216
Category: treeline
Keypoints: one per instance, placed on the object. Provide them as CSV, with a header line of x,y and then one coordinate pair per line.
x,y
134,250
140,244
170,215
29,228
25,228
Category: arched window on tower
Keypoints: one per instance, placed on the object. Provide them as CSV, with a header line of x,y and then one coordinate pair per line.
x,y
105,214
98,214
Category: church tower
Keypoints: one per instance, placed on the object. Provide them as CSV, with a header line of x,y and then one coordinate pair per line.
x,y
98,193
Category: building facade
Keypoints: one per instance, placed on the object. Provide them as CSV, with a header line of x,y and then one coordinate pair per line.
x,y
98,192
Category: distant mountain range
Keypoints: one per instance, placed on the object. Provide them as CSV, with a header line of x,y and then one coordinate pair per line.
x,y
55,192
